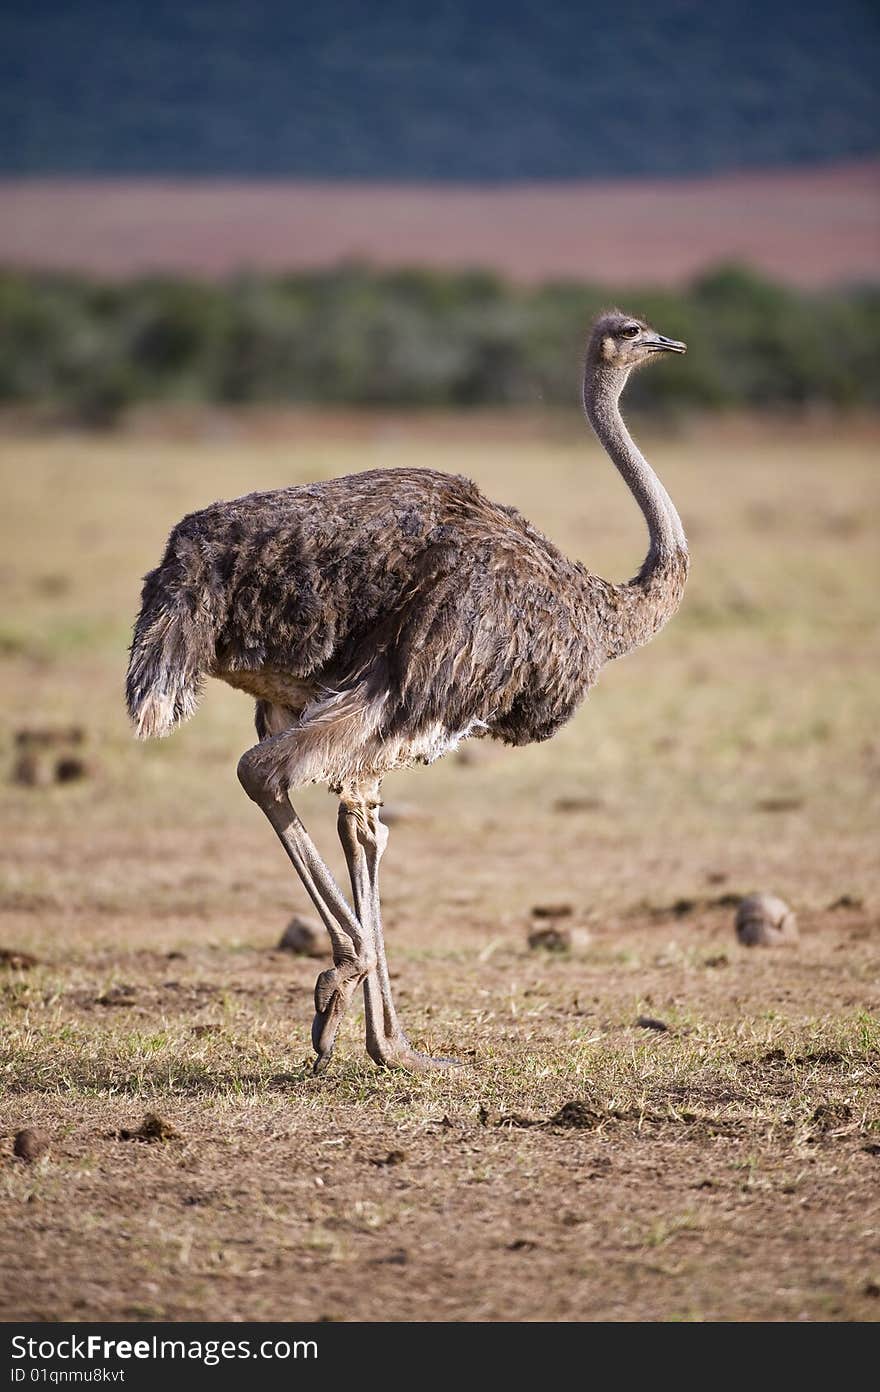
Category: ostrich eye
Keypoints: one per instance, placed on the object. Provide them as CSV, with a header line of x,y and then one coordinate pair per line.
x,y
629,330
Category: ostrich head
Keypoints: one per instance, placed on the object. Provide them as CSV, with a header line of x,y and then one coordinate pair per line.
x,y
620,342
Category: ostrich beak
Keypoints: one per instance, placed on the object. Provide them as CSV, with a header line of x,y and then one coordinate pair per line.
x,y
658,343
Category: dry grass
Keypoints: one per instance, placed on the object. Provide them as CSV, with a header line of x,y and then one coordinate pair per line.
x,y
729,1168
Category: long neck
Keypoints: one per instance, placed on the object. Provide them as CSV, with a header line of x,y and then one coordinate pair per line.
x,y
602,391
635,612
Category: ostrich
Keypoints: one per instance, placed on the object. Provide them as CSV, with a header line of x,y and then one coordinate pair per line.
x,y
379,619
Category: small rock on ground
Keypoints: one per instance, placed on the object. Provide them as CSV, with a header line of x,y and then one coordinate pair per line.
x,y
763,920
305,937
558,939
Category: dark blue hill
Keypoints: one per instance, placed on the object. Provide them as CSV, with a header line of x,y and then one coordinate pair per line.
x,y
447,90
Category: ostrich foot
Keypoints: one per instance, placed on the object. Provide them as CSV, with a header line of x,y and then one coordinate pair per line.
x,y
334,989
399,1053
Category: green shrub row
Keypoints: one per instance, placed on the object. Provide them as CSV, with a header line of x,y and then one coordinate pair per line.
x,y
419,338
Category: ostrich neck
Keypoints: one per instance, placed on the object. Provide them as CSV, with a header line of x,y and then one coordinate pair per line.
x,y
602,391
635,612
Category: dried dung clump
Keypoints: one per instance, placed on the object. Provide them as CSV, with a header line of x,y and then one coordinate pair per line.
x,y
578,804
30,771
557,937
846,901
829,1116
581,1115
38,762
30,1145
70,769
394,1157
550,939
118,997
18,961
152,1128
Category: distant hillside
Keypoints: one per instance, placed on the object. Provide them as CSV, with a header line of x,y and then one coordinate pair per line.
x,y
500,90
809,228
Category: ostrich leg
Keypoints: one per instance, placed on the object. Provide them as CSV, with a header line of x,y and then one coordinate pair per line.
x,y
353,951
364,839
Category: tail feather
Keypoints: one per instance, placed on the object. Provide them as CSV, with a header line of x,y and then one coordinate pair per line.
x,y
170,655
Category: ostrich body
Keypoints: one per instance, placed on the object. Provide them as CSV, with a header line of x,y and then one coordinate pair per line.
x,y
378,620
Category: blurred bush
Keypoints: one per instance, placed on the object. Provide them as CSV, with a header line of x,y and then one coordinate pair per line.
x,y
419,338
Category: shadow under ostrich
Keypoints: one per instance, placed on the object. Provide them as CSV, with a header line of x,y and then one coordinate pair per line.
x,y
378,620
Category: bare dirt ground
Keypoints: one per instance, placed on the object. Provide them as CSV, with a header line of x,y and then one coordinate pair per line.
x,y
811,227
725,1167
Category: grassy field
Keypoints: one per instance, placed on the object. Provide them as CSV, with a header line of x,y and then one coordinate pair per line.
x,y
725,1168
